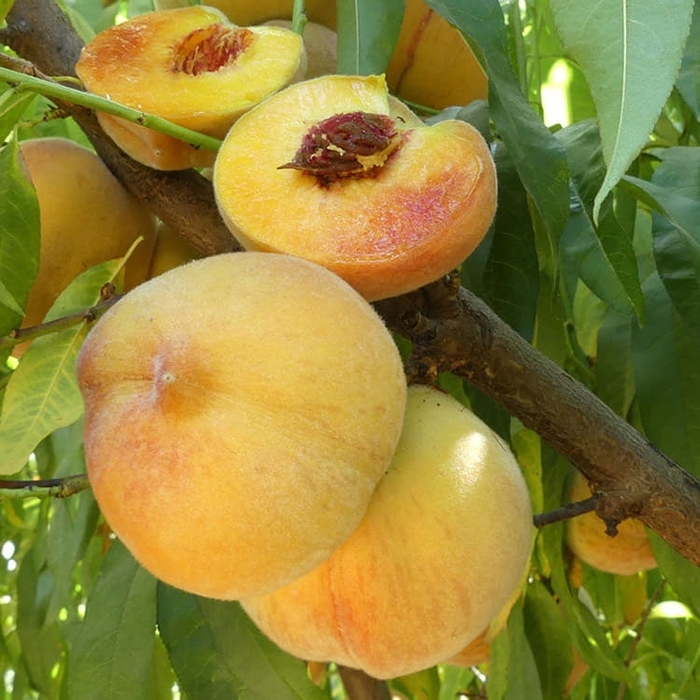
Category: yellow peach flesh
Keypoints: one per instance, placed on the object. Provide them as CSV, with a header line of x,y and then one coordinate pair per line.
x,y
442,548
423,212
191,67
240,410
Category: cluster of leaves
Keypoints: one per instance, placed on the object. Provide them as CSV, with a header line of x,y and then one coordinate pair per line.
x,y
594,116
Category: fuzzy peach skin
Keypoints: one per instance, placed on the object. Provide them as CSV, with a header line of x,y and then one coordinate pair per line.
x,y
190,66
629,552
86,217
411,220
442,548
239,412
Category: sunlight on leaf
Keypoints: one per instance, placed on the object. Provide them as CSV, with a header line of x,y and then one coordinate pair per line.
x,y
630,52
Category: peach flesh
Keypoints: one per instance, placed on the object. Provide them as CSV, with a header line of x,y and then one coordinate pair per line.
x,y
189,66
233,446
442,548
423,211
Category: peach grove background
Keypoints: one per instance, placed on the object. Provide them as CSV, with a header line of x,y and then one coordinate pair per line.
x,y
594,259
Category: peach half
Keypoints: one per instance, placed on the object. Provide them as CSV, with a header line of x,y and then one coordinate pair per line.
x,y
326,170
442,548
347,181
239,412
190,66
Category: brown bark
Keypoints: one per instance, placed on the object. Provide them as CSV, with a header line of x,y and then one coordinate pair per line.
x,y
452,330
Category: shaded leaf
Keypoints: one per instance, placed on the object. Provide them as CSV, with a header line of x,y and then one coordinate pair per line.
x,y
601,253
367,33
42,394
538,157
615,42
546,632
688,81
112,650
667,377
12,106
511,277
218,653
19,238
514,674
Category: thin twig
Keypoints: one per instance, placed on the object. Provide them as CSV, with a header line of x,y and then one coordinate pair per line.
x,y
22,80
44,488
570,510
23,335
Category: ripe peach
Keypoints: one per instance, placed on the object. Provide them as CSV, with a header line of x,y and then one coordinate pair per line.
x,y
431,65
442,547
627,553
387,204
86,217
190,66
239,412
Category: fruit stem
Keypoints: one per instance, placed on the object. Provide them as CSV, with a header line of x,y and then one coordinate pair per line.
x,y
48,88
299,18
44,488
570,510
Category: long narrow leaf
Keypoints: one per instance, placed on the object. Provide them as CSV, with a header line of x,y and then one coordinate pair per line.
x,y
630,52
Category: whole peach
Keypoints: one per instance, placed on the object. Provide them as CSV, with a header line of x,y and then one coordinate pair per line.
x,y
86,217
627,553
239,412
441,550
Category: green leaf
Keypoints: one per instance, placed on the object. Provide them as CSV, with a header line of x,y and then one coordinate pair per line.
x,y
600,253
40,638
218,653
667,377
630,52
546,631
367,33
13,105
688,81
42,394
538,157
19,238
613,367
681,574
511,277
112,651
677,249
513,668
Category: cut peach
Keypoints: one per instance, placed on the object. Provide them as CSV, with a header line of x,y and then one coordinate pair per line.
x,y
386,202
190,66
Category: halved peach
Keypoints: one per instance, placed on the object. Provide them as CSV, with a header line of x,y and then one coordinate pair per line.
x,y
374,195
190,66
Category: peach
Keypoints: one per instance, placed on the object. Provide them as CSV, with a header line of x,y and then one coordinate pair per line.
x,y
190,66
431,65
239,412
86,217
387,203
629,552
443,546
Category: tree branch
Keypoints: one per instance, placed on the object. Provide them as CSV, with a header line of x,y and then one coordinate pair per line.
x,y
452,330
